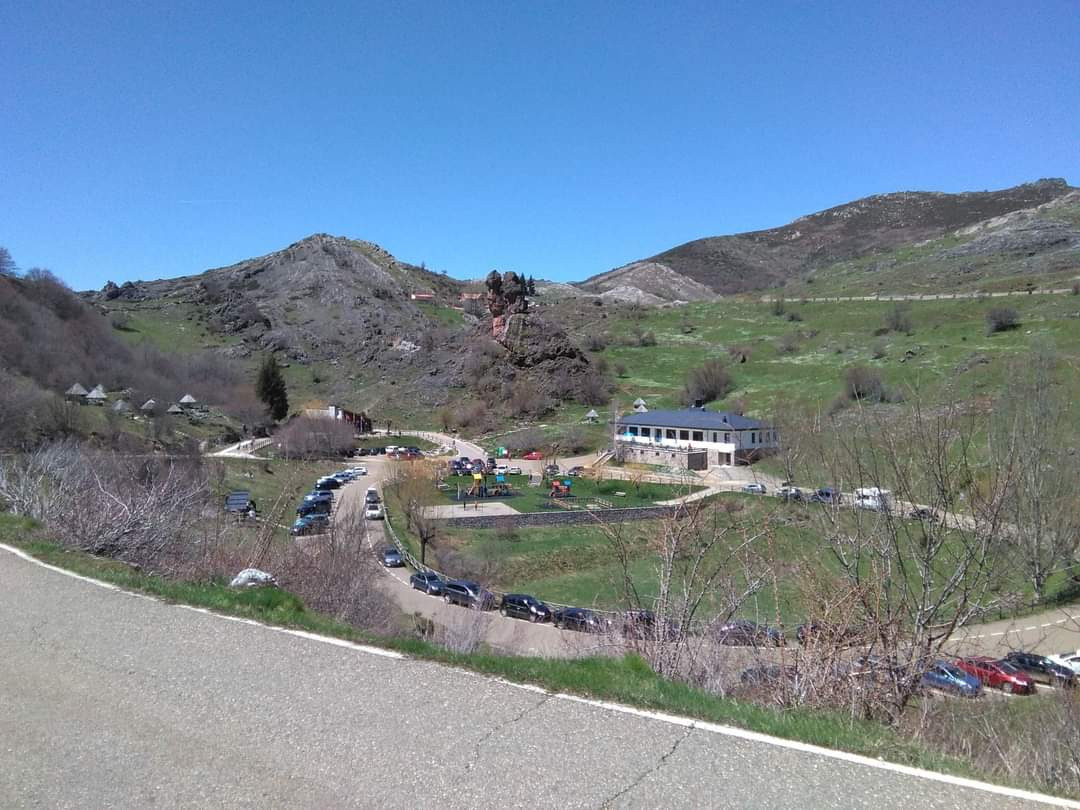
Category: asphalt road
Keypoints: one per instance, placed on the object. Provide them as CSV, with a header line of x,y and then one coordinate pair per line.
x,y
113,700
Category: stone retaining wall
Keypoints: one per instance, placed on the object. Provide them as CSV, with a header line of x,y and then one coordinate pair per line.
x,y
567,517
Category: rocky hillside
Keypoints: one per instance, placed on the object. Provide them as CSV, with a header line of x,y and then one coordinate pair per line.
x,y
1019,221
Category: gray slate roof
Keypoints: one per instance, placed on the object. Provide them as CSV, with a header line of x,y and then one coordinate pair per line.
x,y
76,391
188,399
693,419
149,405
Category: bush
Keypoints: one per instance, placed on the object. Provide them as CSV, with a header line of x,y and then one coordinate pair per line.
x,y
864,384
1001,319
619,369
1076,288
740,353
595,389
898,319
794,317
879,349
778,307
788,344
595,342
707,383
647,339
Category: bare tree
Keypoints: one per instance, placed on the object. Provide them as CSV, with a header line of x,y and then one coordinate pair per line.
x,y
706,563
915,579
1033,437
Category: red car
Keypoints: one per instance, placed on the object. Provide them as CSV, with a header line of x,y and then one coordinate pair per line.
x,y
997,675
534,455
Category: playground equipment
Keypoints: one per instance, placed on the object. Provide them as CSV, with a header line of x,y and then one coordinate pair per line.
x,y
560,489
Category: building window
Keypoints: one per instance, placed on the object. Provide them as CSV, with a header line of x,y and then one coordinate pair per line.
x,y
632,431
645,432
669,434
698,436
753,438
727,438
684,435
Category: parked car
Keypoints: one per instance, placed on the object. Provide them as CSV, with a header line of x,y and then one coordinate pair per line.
x,y
501,469
576,471
361,451
754,488
521,606
310,524
390,557
319,495
329,482
922,513
827,495
573,618
533,455
358,470
997,675
945,677
551,470
513,470
1042,669
743,633
427,581
314,508
374,511
789,494
1067,659
372,495
467,594
638,623
874,499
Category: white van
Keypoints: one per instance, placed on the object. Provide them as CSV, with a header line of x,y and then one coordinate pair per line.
x,y
873,498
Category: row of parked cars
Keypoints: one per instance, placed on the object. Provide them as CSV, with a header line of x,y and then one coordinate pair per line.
x,y
313,513
391,451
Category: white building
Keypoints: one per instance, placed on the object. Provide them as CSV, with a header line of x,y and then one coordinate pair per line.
x,y
693,438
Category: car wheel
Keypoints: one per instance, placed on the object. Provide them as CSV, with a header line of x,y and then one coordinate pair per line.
x,y
533,618
503,613
446,598
1007,688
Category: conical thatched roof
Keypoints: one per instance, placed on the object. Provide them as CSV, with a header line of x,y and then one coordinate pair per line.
x,y
175,409
76,391
641,408
149,405
121,406
638,402
188,399
97,394
592,414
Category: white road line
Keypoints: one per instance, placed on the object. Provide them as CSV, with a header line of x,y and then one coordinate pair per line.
x,y
337,642
663,717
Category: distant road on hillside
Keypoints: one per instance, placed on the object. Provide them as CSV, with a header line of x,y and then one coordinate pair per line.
x,y
113,700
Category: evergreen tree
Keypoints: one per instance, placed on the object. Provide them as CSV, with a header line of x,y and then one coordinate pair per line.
x,y
530,286
270,389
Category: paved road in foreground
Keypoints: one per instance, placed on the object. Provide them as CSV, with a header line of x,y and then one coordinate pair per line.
x,y
114,700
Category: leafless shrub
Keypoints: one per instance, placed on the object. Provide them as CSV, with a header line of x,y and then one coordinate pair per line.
x,y
1001,319
788,343
740,352
522,441
464,632
864,384
312,437
595,342
707,382
131,508
594,389
1040,743
898,319
879,349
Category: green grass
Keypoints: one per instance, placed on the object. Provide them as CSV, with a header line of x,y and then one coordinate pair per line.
x,y
626,679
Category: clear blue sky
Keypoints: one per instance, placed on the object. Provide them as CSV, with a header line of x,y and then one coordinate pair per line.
x,y
145,140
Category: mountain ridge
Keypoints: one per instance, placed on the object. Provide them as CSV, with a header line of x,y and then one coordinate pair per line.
x,y
771,257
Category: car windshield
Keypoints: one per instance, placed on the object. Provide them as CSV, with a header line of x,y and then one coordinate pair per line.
x,y
951,671
1007,667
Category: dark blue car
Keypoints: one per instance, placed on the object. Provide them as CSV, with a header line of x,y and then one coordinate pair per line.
x,y
947,678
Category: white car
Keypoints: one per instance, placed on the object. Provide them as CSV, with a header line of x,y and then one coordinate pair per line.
x,y
513,470
1068,659
373,511
358,470
501,469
